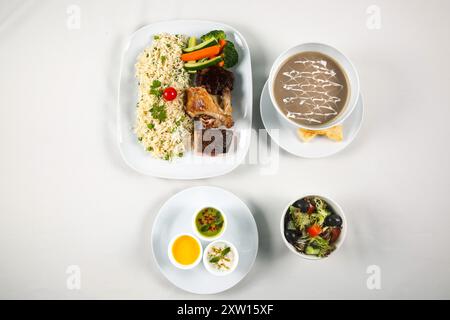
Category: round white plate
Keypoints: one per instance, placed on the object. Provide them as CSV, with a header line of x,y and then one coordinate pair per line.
x,y
175,216
285,134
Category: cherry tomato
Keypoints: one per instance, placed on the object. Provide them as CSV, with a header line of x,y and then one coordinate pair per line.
x,y
314,230
335,233
169,93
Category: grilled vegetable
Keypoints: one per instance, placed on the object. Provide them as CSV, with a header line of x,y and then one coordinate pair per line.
x,y
204,44
201,65
230,55
200,54
214,34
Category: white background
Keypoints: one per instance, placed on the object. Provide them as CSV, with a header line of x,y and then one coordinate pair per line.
x,y
67,197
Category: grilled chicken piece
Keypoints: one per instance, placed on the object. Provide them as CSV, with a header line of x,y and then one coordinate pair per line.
x,y
214,111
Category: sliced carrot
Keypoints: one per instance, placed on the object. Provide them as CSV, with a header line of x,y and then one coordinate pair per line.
x,y
222,43
202,53
221,63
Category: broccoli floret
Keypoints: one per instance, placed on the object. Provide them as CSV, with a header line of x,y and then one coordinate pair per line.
x,y
216,34
230,55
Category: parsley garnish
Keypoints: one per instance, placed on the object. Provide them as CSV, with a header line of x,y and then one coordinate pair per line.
x,y
225,251
214,260
155,88
222,254
156,92
159,112
155,84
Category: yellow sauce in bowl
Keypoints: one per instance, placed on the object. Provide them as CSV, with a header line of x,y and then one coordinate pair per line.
x,y
185,250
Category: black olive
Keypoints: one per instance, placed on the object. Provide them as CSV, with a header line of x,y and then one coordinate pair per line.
x,y
333,220
302,204
331,210
291,236
287,218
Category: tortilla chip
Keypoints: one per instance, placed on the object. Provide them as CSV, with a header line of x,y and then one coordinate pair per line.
x,y
334,133
306,135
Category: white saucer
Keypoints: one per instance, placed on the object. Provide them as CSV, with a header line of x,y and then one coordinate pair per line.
x,y
285,133
175,217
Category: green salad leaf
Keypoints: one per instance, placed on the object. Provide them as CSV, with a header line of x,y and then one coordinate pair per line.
x,y
291,225
321,206
321,211
322,245
301,220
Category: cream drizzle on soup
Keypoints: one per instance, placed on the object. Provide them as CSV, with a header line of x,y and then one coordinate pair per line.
x,y
311,88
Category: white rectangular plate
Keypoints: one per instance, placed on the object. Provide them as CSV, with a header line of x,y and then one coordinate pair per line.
x,y
190,166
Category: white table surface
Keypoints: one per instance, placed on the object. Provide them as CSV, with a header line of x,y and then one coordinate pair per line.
x,y
67,197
